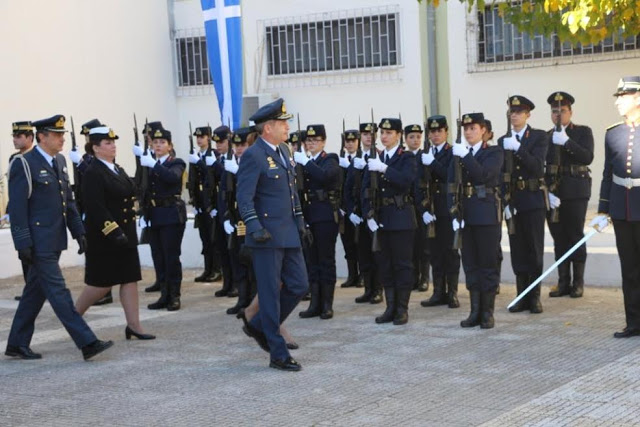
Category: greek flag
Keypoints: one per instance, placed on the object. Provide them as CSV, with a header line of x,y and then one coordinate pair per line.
x,y
224,48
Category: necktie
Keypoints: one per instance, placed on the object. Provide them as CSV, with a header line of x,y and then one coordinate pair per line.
x,y
435,151
115,169
386,158
349,156
54,165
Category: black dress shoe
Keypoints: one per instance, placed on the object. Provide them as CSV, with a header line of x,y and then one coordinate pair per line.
x,y
214,277
95,348
627,333
22,352
221,293
260,338
128,333
107,299
153,288
292,346
158,305
174,305
17,298
288,364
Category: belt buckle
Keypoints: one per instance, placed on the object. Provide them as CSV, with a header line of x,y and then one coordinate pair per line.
x,y
628,182
520,185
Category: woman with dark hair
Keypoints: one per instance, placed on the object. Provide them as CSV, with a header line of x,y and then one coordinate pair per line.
x,y
110,223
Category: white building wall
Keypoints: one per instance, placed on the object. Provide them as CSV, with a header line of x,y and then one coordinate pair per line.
x,y
591,83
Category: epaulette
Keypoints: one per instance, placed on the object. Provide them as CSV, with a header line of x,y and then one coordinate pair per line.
x,y
400,151
614,125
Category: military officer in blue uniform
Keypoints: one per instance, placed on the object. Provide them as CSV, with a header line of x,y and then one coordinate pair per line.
x,y
321,212
620,196
569,181
528,201
445,260
390,214
270,208
41,209
168,216
354,212
478,198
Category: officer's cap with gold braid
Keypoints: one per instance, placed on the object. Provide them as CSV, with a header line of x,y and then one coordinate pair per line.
x,y
151,127
275,110
627,85
93,123
351,135
519,102
52,124
203,131
314,131
368,127
412,128
221,133
21,127
560,97
391,124
471,118
99,133
161,133
437,122
240,135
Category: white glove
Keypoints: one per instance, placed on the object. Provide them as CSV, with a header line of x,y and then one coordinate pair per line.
x,y
427,158
213,213
560,138
5,218
376,165
228,228
428,218
373,225
342,212
210,159
301,158
507,213
147,160
554,202
359,163
137,150
144,222
231,166
457,225
355,219
344,162
460,150
511,143
600,222
75,157
193,158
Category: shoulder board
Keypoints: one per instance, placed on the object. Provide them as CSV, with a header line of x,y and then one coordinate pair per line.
x,y
400,151
614,125
324,154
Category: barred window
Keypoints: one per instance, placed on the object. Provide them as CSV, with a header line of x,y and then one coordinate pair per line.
x,y
499,41
193,66
344,43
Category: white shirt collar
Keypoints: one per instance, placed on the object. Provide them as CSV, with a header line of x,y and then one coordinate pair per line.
x,y
273,147
163,159
109,165
45,155
314,158
475,148
391,152
521,133
415,151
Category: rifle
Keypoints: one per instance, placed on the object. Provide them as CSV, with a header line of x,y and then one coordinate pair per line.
x,y
340,219
373,194
213,193
138,176
192,180
506,177
554,168
456,209
230,199
300,172
145,200
77,185
425,179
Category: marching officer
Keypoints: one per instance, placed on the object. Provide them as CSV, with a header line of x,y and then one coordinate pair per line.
x,y
321,213
41,209
348,235
394,220
488,138
168,216
445,260
528,201
354,211
477,198
569,182
270,208
421,249
620,197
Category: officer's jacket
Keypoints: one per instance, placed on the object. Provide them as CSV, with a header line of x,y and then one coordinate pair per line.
x,y
344,175
109,207
228,196
267,196
438,185
621,158
420,186
481,179
322,188
352,193
40,221
528,171
200,196
165,182
572,179
395,190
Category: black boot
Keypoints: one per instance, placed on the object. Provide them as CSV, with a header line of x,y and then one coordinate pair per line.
x,y
376,293
154,288
522,281
314,309
107,299
439,296
452,286
368,289
360,283
352,280
227,284
578,279
423,284
389,313
564,280
402,306
163,301
474,315
174,297
487,303
206,274
327,292
243,297
535,306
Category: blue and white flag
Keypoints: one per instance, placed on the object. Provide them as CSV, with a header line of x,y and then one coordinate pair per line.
x,y
223,30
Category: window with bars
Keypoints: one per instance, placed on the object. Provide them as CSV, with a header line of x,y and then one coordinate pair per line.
x,y
347,43
501,42
193,66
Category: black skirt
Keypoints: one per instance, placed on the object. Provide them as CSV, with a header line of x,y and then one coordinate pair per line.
x,y
104,269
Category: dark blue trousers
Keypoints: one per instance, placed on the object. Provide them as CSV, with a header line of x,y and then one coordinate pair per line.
x,y
444,259
322,254
45,282
167,241
480,257
273,266
395,260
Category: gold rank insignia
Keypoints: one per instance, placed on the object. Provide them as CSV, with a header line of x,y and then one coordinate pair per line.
x,y
157,134
351,136
272,164
109,226
60,122
467,119
294,138
198,132
237,138
85,130
216,137
311,132
284,109
416,128
434,124
111,134
241,229
386,125
558,97
368,128
515,101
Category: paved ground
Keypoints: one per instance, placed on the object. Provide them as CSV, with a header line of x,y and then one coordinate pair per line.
x,y
559,368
